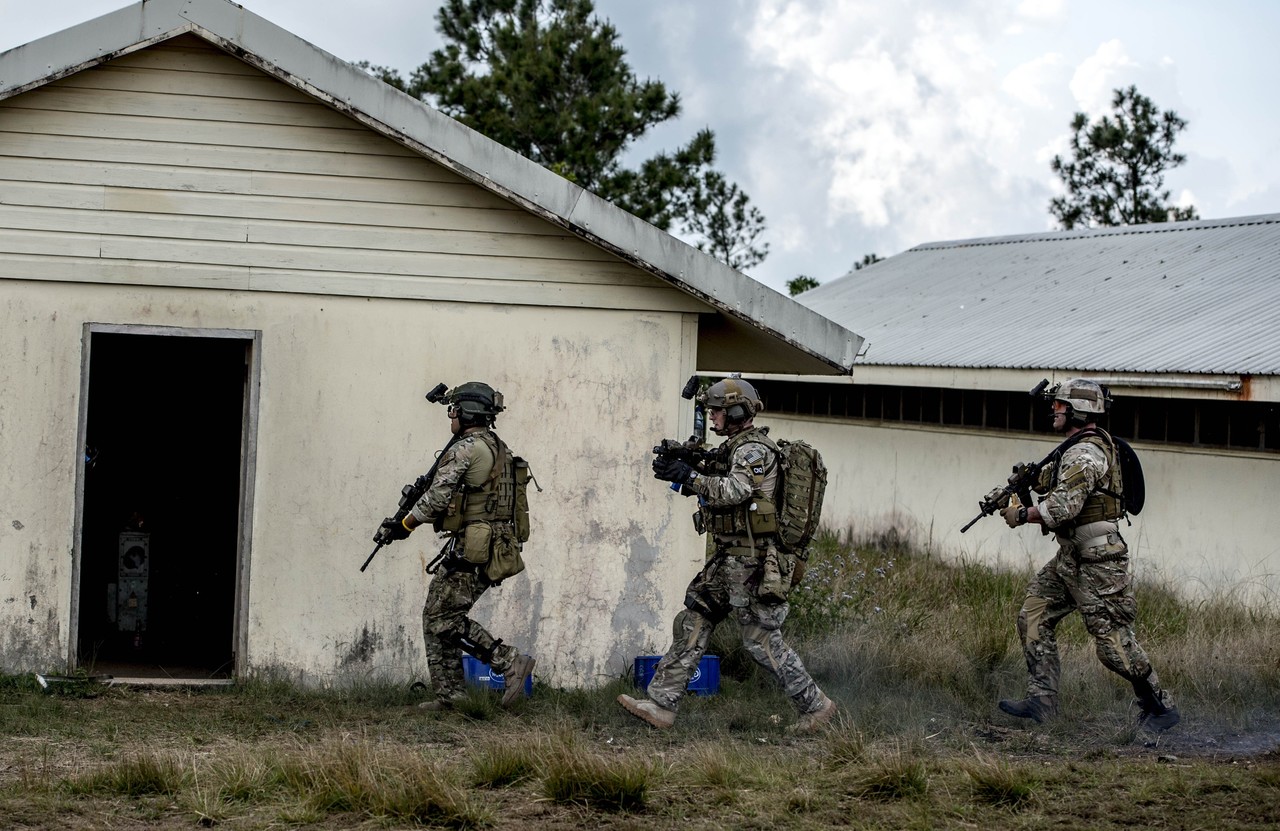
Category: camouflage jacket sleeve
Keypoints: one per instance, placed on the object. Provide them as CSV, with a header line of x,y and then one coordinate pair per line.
x,y
458,464
1083,466
750,459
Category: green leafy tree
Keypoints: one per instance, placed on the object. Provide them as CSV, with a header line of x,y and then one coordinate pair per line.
x,y
800,284
550,80
1117,168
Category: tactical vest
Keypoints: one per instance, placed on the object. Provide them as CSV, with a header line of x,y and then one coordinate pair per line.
x,y
1104,502
493,500
740,520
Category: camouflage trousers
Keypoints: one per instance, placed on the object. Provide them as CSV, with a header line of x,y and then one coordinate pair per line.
x,y
1090,573
448,631
727,585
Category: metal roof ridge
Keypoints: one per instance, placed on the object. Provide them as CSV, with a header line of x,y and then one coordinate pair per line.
x,y
1093,233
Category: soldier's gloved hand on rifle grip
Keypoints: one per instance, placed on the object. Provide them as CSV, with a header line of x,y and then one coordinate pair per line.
x,y
1014,515
395,530
672,470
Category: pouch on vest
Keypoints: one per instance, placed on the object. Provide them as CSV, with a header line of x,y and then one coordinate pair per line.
x,y
773,588
476,542
451,519
762,517
522,475
506,561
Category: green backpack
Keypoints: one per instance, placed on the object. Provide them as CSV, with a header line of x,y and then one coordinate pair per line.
x,y
801,485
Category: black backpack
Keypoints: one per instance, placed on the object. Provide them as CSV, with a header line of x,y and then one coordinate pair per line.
x,y
1133,484
1134,497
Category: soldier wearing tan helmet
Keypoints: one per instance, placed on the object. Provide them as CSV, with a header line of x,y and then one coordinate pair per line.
x,y
472,500
748,576
1083,499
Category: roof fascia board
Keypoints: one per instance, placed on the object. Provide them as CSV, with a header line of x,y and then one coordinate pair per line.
x,y
95,41
438,137
1140,384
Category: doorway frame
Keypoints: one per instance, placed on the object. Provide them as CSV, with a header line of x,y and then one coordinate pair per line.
x,y
252,339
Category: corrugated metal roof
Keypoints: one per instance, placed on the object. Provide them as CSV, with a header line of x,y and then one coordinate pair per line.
x,y
1189,297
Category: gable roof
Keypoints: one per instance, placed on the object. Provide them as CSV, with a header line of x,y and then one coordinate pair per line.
x,y
769,331
1187,297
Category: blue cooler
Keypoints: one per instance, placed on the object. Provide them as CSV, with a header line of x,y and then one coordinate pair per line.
x,y
477,672
705,680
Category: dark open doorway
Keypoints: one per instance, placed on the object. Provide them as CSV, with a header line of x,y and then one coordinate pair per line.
x,y
159,552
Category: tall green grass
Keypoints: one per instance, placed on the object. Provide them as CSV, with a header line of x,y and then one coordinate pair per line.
x,y
909,636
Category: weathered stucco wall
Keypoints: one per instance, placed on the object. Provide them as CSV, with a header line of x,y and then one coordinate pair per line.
x,y
39,389
1200,527
342,426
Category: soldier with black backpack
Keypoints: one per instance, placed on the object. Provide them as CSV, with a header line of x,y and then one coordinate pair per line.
x,y
1084,486
760,503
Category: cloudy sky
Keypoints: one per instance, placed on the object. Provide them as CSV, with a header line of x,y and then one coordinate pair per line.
x,y
860,126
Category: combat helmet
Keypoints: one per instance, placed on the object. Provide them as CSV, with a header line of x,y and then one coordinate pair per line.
x,y
1087,400
736,397
475,403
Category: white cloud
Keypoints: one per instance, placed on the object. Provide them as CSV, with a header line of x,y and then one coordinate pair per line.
x,y
1097,77
913,121
1032,82
1041,10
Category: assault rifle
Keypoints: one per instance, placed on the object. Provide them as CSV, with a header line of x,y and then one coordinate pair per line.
x,y
1020,482
682,451
1022,479
411,493
693,450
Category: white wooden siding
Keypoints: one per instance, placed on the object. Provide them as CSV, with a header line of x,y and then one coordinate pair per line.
x,y
180,165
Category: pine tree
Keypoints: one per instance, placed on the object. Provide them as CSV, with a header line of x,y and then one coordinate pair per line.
x,y
550,80
1117,170
800,284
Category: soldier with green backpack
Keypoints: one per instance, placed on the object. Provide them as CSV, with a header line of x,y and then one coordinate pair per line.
x,y
760,501
476,497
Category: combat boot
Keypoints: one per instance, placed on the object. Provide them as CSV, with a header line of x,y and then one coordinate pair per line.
x,y
1038,708
812,722
514,678
648,711
439,705
1161,721
1156,715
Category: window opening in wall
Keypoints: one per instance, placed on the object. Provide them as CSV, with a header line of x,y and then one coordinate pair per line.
x,y
1243,425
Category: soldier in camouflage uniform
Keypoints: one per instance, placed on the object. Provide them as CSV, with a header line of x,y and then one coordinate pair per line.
x,y
747,576
460,503
1090,573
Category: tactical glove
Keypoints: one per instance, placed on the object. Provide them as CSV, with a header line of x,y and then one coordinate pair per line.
x,y
394,529
1014,515
671,470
